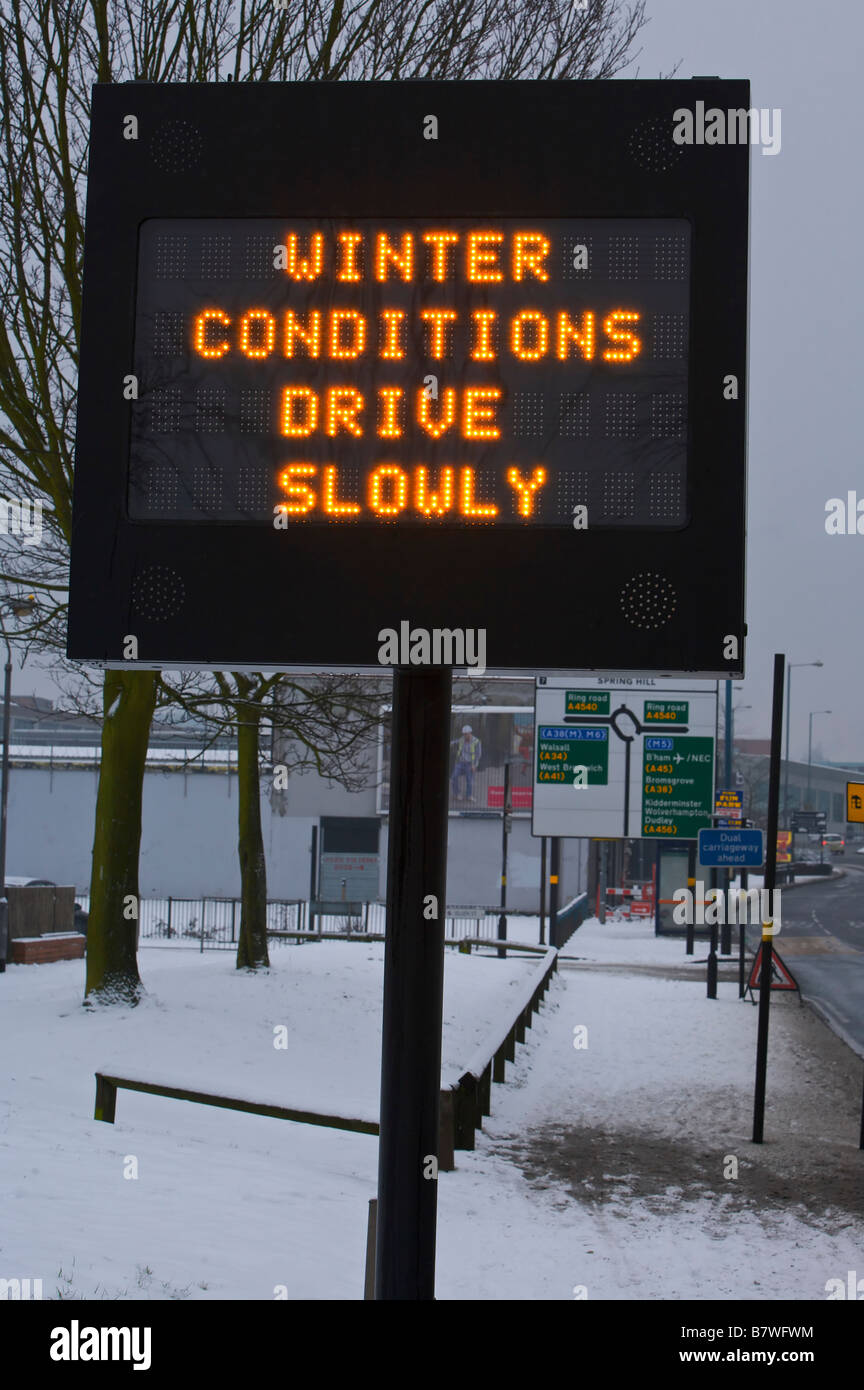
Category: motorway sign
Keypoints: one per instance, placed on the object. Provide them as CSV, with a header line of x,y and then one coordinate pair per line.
x,y
731,849
616,760
855,802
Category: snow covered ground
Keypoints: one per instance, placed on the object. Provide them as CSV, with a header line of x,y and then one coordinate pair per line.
x,y
601,1168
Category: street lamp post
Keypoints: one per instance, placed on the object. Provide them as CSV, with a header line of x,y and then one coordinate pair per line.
x,y
813,713
732,712
729,750
788,730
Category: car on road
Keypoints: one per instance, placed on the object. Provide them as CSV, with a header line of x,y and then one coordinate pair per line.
x,y
835,843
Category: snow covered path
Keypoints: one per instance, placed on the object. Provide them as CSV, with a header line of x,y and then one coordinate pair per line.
x,y
601,1167
612,1156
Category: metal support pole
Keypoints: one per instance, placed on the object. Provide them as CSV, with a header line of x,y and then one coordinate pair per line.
x,y
728,750
691,884
602,882
770,882
313,865
4,797
413,985
788,724
657,858
554,872
543,890
742,943
711,973
505,832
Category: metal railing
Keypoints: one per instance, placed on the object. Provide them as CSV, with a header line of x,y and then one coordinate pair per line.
x,y
209,923
213,923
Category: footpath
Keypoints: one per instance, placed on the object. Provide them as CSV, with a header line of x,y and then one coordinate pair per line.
x,y
618,1158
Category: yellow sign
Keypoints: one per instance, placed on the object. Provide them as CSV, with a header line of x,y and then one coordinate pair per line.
x,y
784,845
855,801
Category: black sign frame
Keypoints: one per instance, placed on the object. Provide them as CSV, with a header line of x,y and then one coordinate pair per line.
x,y
229,596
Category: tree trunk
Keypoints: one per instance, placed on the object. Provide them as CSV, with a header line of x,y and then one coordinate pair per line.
x,y
252,944
129,699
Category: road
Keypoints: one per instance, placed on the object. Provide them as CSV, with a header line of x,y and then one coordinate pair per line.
x,y
822,941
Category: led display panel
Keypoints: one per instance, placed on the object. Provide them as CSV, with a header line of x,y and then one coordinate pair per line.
x,y
436,372
378,373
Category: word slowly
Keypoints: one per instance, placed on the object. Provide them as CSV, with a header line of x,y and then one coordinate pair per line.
x,y
391,491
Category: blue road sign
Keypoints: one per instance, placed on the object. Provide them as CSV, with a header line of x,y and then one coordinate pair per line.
x,y
731,849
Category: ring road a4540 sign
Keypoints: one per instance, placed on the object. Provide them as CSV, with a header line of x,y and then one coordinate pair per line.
x,y
431,360
626,761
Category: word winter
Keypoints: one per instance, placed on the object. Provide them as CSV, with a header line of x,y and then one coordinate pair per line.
x,y
480,257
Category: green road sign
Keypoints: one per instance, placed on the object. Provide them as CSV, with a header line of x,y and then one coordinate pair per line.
x,y
586,702
677,786
561,751
666,711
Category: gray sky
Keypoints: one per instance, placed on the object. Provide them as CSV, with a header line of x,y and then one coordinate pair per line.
x,y
805,592
806,317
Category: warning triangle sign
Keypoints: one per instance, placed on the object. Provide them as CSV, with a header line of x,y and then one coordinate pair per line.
x,y
781,975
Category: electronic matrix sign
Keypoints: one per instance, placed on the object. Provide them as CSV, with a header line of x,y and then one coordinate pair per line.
x,y
337,374
430,372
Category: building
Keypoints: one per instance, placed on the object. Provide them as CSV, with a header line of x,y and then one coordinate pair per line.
x,y
310,824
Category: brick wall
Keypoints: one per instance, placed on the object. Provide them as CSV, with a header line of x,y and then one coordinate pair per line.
x,y
41,950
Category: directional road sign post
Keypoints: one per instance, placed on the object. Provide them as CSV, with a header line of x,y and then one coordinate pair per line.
x,y
617,760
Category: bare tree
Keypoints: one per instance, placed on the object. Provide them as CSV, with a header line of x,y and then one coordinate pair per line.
x,y
51,52
325,724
